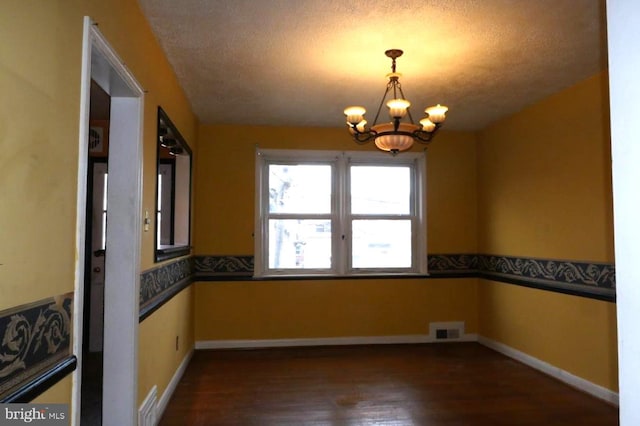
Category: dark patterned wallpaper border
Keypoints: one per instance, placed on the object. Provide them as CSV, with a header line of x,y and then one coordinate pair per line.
x,y
590,279
587,279
35,338
160,284
443,265
223,266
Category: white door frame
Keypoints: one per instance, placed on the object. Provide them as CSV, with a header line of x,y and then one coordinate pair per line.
x,y
623,29
124,195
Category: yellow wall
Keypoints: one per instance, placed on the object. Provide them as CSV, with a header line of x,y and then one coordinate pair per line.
x,y
57,394
575,334
39,121
544,178
544,190
157,342
40,64
225,184
328,308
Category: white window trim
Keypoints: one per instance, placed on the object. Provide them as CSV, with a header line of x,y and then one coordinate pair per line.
x,y
339,216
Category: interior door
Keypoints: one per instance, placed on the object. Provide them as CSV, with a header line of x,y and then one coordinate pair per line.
x,y
98,253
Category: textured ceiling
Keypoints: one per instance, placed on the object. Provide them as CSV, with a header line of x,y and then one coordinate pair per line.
x,y
300,62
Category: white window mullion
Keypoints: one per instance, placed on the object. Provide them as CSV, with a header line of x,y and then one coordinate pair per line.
x,y
260,220
343,238
420,211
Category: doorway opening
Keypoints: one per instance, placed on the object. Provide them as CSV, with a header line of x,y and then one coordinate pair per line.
x,y
113,249
95,255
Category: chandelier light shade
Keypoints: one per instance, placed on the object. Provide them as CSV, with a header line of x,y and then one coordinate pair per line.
x,y
400,133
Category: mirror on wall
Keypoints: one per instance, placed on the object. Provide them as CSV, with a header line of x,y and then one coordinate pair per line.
x,y
173,192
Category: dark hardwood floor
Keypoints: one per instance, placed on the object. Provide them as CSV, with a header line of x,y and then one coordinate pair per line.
x,y
431,384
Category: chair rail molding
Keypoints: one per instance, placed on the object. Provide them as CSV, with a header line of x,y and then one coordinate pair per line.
x,y
594,280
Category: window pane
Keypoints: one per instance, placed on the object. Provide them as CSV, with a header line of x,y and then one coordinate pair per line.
x,y
299,244
381,244
299,188
380,190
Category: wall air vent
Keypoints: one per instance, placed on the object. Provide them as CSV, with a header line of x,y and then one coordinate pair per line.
x,y
446,330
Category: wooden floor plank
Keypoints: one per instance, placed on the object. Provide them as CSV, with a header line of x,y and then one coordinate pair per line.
x,y
431,384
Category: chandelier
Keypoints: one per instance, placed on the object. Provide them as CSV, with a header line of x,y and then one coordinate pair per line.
x,y
397,135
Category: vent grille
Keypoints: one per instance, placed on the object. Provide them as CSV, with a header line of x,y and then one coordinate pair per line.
x,y
446,330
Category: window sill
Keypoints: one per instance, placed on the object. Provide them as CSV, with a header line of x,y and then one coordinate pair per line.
x,y
171,252
315,277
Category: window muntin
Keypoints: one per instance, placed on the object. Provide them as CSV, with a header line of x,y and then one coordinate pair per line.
x,y
339,213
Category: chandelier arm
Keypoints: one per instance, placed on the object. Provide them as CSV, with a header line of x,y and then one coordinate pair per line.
x,y
363,137
359,142
418,136
425,137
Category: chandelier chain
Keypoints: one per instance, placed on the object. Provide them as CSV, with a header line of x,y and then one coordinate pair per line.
x,y
408,108
375,120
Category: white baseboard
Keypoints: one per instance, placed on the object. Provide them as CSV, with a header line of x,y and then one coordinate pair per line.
x,y
148,410
173,383
555,372
327,341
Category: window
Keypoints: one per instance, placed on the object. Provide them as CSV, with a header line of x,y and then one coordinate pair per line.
x,y
339,213
173,195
